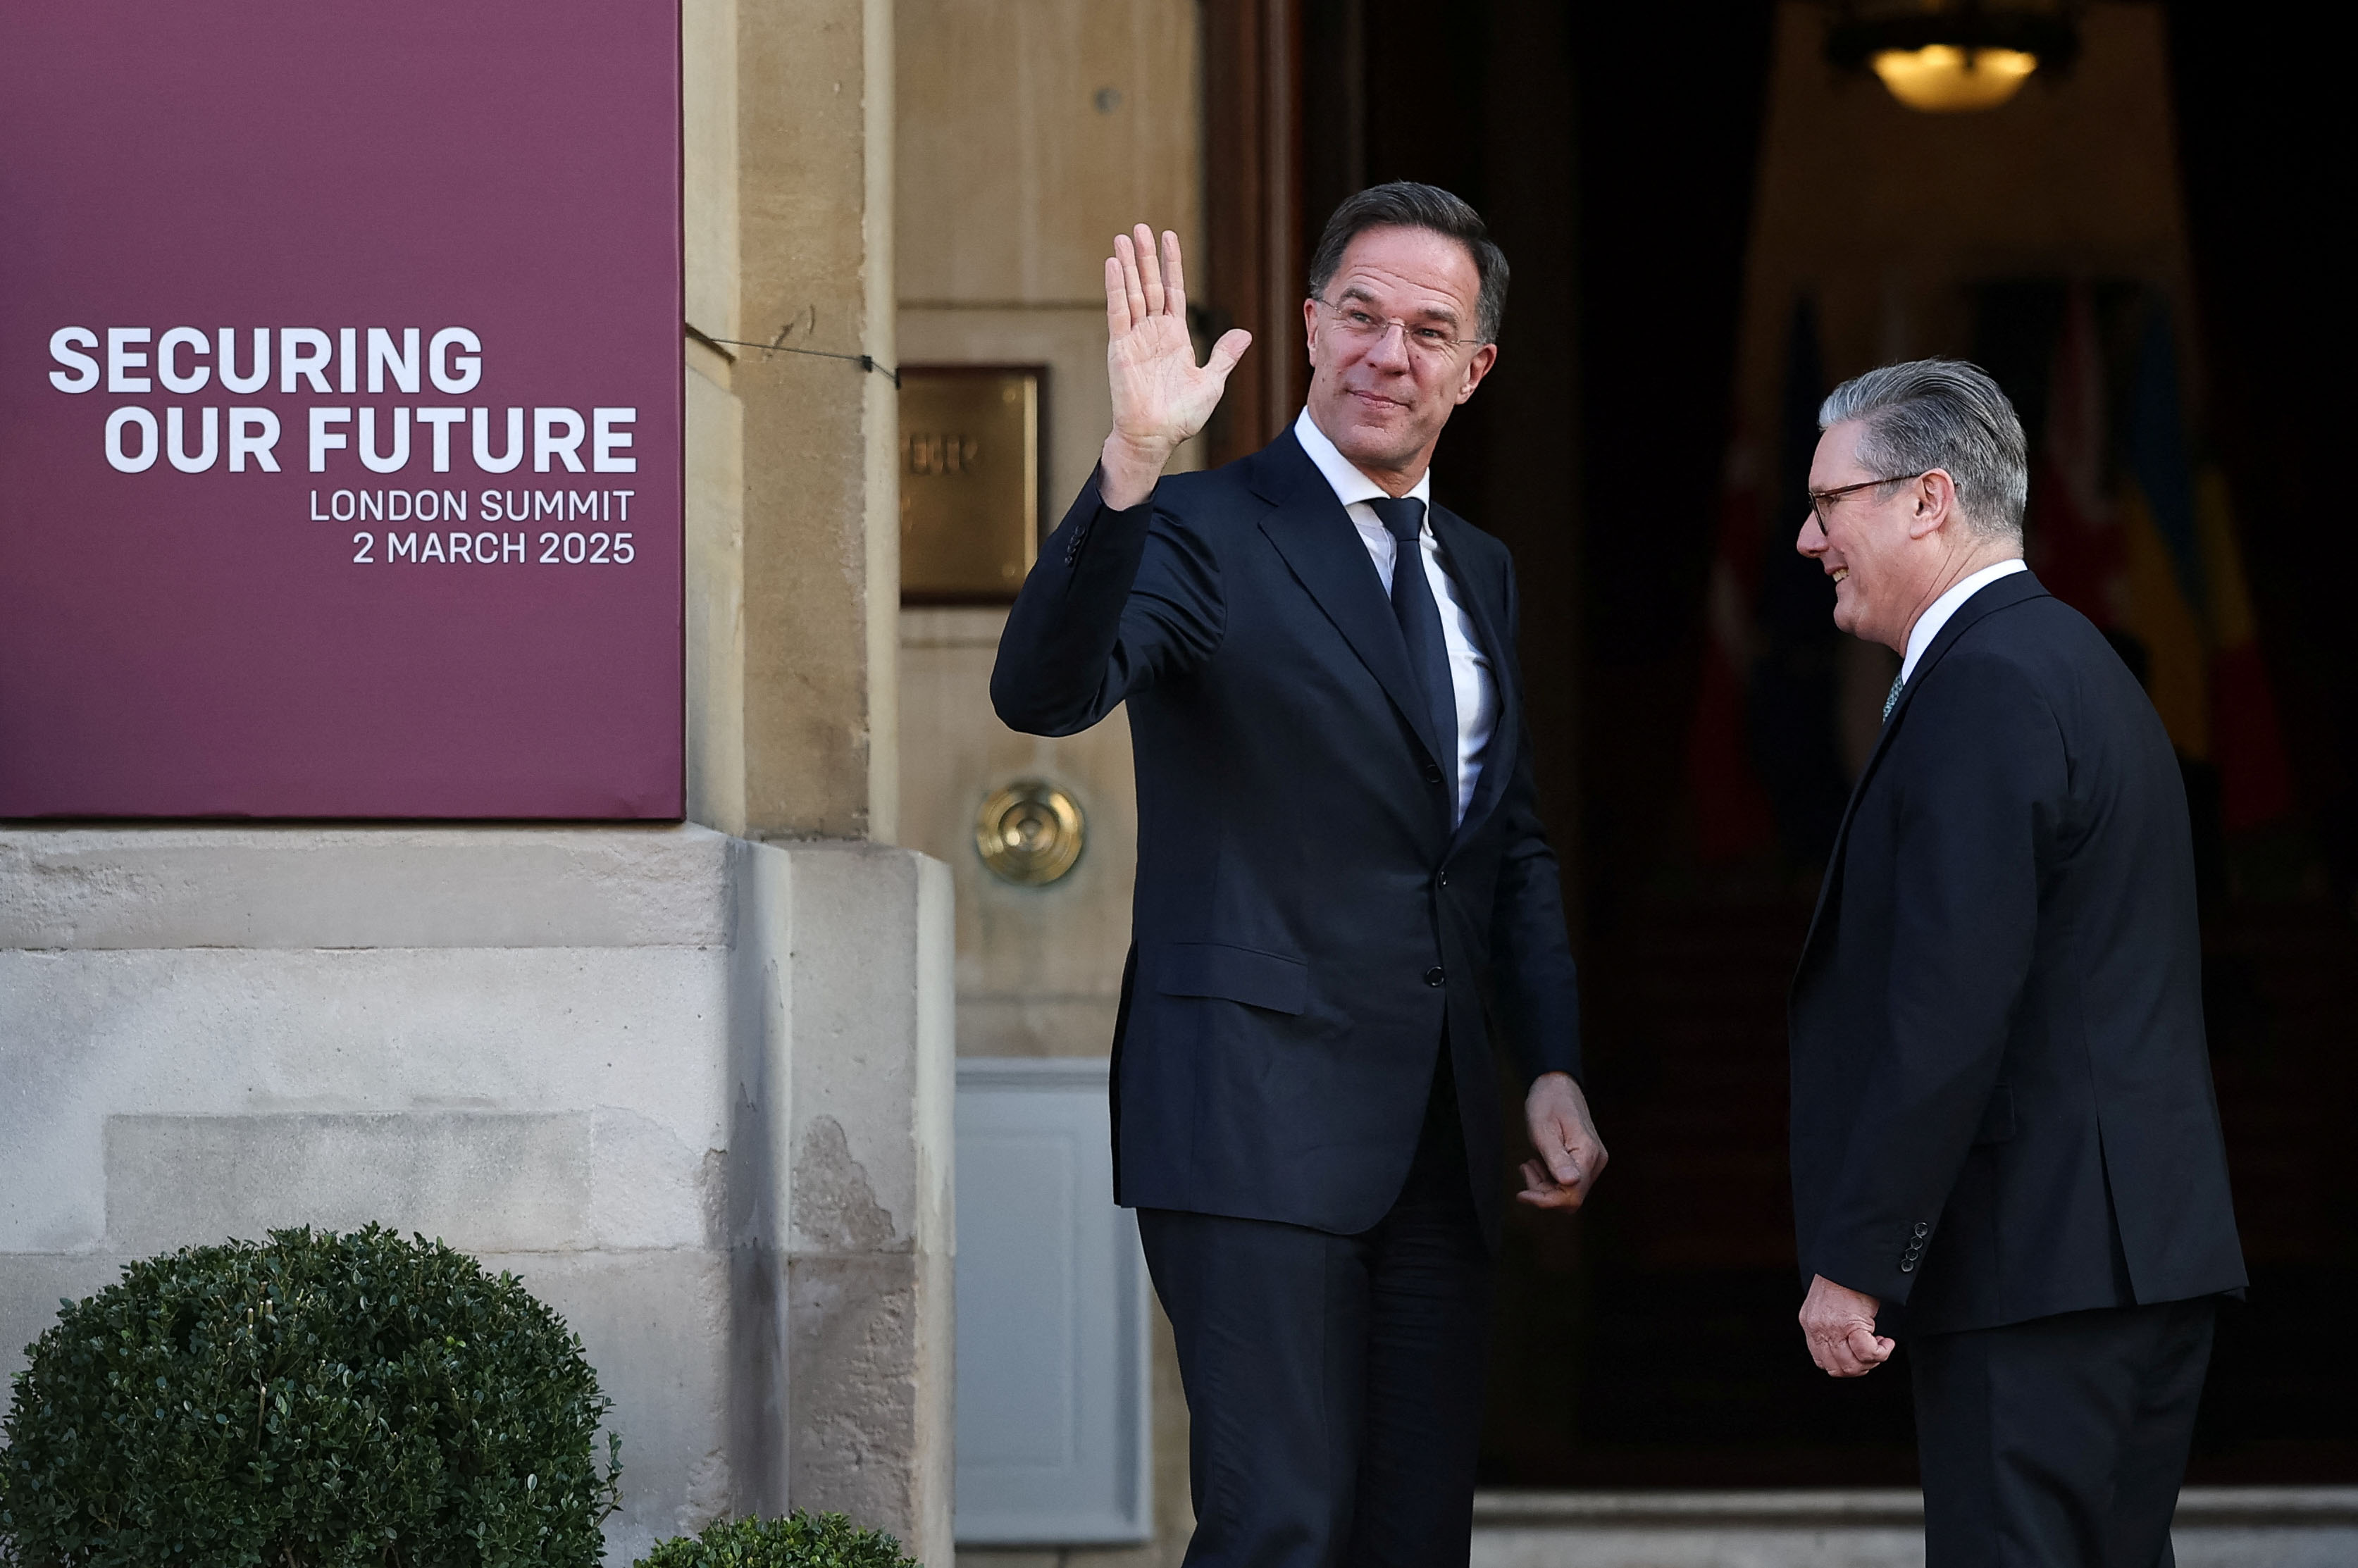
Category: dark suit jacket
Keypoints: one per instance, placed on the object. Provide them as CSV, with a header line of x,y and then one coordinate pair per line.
x,y
1306,922
2002,1104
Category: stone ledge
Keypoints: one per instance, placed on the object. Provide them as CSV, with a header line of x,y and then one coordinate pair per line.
x,y
2217,1526
1783,1509
2198,1508
65,888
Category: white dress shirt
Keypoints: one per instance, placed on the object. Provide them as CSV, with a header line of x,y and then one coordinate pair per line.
x,y
1928,625
1469,666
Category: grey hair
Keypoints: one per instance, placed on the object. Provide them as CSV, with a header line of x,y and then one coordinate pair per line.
x,y
1941,414
1406,204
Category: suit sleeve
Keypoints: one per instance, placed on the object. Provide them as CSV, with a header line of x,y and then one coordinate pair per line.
x,y
1537,987
1119,600
1982,785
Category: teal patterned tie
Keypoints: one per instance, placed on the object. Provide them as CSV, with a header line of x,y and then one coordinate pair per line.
x,y
1892,701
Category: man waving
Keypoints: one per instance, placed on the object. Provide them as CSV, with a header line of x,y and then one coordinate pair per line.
x,y
1348,919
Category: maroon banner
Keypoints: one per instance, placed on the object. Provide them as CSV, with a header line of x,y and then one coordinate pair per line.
x,y
339,409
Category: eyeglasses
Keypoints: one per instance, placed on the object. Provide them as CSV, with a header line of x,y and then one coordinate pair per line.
x,y
1821,498
1367,329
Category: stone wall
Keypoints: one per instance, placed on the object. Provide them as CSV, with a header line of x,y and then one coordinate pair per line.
x,y
695,1091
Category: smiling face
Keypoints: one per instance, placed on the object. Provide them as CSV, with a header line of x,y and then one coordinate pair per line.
x,y
1883,546
1380,393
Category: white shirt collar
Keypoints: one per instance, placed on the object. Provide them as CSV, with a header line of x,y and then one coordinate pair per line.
x,y
1928,625
1343,475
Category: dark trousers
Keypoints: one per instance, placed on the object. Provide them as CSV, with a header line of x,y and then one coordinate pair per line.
x,y
2060,1443
1334,1383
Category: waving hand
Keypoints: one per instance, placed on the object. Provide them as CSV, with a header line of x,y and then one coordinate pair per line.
x,y
1161,395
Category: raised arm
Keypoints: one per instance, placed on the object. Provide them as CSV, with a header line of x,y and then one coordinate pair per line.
x,y
1161,395
1122,595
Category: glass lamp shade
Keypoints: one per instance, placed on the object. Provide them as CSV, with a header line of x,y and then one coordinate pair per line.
x,y
1943,78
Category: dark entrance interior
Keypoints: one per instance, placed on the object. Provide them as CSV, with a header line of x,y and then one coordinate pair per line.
x,y
1681,206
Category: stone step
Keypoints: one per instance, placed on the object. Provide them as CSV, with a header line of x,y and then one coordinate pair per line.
x,y
2217,1526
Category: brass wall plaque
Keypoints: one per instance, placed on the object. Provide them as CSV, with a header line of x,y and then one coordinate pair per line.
x,y
970,481
1029,832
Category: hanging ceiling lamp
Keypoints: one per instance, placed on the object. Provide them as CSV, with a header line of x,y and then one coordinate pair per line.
x,y
1948,57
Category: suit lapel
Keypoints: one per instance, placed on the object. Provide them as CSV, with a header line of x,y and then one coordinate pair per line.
x,y
1324,551
2006,592
1506,728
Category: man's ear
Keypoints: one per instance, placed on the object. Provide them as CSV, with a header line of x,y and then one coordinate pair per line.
x,y
1477,368
1310,327
1936,503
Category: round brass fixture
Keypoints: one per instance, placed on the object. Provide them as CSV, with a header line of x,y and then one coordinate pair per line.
x,y
1029,832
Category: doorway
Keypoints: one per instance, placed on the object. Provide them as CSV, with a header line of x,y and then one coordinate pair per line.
x,y
1651,174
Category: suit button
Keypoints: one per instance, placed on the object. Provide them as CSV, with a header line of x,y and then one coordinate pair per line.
x,y
1922,1231
1433,773
1444,879
1432,976
1908,1265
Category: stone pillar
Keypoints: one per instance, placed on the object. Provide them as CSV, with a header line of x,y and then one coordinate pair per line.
x,y
716,418
869,1239
821,541
793,596
793,513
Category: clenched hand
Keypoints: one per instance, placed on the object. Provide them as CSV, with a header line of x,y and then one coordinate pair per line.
x,y
1570,1155
1839,1324
1161,395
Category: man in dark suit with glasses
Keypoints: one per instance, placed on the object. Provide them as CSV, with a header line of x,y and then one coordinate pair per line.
x,y
2005,1145
1348,919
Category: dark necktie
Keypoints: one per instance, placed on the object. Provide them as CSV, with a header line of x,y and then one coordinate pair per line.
x,y
1420,624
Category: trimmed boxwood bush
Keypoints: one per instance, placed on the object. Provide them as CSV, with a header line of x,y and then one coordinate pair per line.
x,y
798,1540
313,1400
